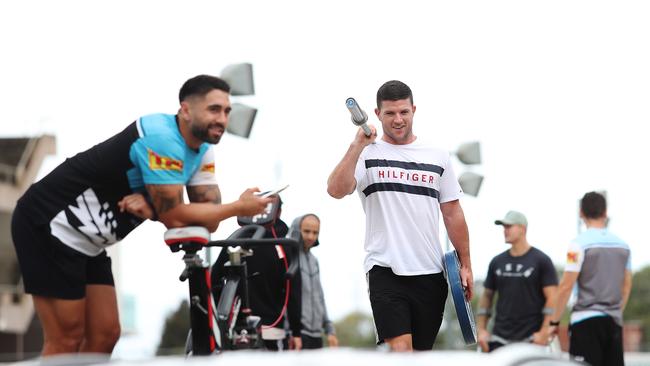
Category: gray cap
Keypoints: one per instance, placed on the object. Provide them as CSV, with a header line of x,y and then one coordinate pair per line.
x,y
513,218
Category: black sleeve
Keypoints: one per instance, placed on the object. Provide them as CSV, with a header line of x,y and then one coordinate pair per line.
x,y
294,308
489,278
548,275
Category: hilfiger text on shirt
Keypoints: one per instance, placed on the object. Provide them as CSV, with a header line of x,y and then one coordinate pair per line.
x,y
402,175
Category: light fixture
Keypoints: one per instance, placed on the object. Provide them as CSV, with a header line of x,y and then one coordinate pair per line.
x,y
240,78
241,120
470,182
469,153
242,117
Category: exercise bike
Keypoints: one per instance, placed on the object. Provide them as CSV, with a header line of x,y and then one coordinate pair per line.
x,y
228,324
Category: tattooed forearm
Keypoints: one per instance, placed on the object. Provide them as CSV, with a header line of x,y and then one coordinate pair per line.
x,y
165,199
204,193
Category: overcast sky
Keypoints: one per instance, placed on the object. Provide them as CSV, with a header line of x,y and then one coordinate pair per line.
x,y
556,92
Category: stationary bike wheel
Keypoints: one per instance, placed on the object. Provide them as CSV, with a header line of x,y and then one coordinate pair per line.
x,y
226,328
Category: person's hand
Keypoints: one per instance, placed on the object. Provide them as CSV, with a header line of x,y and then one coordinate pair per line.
x,y
136,205
364,140
542,337
251,204
483,339
295,343
332,341
467,280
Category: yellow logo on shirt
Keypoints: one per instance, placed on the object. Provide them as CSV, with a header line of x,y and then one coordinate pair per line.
x,y
157,162
208,168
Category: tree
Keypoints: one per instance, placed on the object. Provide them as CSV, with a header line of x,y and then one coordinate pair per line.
x,y
177,325
356,330
637,306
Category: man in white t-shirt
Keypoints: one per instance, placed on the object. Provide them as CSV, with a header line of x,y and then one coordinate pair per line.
x,y
404,185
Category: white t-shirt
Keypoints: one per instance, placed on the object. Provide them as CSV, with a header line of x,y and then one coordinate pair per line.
x,y
401,188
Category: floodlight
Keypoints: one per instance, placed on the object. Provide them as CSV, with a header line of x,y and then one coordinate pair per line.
x,y
240,121
240,78
469,153
470,183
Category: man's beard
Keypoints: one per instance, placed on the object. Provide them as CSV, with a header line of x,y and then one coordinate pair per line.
x,y
203,134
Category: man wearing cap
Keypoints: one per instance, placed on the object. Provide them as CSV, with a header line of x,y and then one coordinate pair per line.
x,y
526,283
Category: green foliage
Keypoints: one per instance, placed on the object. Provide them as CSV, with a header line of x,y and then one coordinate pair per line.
x,y
638,304
175,331
356,330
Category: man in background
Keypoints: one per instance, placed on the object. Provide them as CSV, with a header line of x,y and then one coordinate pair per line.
x,y
315,321
598,264
525,282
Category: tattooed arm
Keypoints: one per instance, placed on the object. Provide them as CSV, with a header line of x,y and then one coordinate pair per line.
x,y
204,193
208,212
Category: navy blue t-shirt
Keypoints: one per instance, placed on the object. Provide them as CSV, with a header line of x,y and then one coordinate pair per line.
x,y
519,283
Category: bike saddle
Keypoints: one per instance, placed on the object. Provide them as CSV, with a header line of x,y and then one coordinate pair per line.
x,y
186,237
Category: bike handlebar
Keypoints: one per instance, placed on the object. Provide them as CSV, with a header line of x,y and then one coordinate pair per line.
x,y
248,236
240,238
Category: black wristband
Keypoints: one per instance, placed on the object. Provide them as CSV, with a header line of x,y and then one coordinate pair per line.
x,y
554,323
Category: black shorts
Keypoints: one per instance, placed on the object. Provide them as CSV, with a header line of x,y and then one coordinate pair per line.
x,y
407,305
309,342
598,341
51,268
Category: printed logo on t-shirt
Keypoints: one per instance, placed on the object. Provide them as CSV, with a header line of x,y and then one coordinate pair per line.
x,y
572,257
158,162
510,270
88,220
208,168
406,176
403,176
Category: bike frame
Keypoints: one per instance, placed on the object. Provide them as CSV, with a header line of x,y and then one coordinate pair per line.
x,y
234,294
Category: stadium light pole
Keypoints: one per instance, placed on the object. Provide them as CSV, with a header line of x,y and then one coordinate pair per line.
x,y
242,116
468,154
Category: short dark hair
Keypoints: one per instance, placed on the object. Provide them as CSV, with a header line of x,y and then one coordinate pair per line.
x,y
201,85
393,90
593,205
